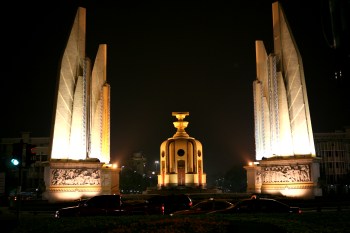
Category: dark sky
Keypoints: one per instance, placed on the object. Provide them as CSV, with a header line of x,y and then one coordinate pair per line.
x,y
165,56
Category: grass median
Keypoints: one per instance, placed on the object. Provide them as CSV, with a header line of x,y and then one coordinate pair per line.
x,y
336,221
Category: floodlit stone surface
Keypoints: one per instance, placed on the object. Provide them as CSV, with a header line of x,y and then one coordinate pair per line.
x,y
80,154
285,150
82,117
282,118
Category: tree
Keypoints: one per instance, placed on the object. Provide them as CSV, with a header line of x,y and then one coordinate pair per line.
x,y
235,180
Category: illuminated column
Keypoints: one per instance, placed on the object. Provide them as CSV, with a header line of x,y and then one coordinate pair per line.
x,y
253,178
100,108
67,128
105,134
190,156
171,157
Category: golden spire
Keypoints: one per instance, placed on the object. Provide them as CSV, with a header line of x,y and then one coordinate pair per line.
x,y
180,124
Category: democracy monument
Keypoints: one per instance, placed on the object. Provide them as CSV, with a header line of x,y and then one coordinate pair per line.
x,y
286,162
285,159
80,139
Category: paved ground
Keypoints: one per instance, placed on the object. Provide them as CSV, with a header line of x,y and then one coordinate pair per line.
x,y
10,218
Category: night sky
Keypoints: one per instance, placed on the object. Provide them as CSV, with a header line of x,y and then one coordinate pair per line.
x,y
166,56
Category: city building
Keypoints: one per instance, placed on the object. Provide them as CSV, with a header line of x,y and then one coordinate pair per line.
x,y
334,149
135,176
137,162
31,170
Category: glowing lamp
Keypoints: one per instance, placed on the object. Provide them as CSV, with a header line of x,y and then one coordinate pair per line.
x,y
15,162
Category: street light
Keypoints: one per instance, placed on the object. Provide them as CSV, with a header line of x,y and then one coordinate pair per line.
x,y
156,164
15,162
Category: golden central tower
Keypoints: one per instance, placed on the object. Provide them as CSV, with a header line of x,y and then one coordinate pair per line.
x,y
181,159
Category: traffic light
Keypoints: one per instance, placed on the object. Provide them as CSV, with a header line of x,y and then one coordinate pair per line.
x,y
17,152
30,154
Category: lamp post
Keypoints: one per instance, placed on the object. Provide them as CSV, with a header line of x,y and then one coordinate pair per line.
x,y
155,173
18,154
18,164
156,164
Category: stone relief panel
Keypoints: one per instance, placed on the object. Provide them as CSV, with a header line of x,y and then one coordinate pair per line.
x,y
258,177
81,176
285,173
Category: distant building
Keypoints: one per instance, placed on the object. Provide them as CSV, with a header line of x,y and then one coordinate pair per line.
x,y
135,175
42,144
334,149
137,162
33,173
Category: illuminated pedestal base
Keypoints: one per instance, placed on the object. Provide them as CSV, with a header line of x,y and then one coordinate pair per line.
x,y
69,180
188,180
288,176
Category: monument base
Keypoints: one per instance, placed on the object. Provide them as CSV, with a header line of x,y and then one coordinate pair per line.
x,y
290,176
190,180
181,190
69,180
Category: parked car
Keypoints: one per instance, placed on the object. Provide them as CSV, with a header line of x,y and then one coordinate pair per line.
x,y
205,207
97,205
28,194
163,204
260,205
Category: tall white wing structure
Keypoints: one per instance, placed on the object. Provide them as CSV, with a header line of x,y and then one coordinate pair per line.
x,y
281,109
67,129
100,105
80,165
82,117
291,66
